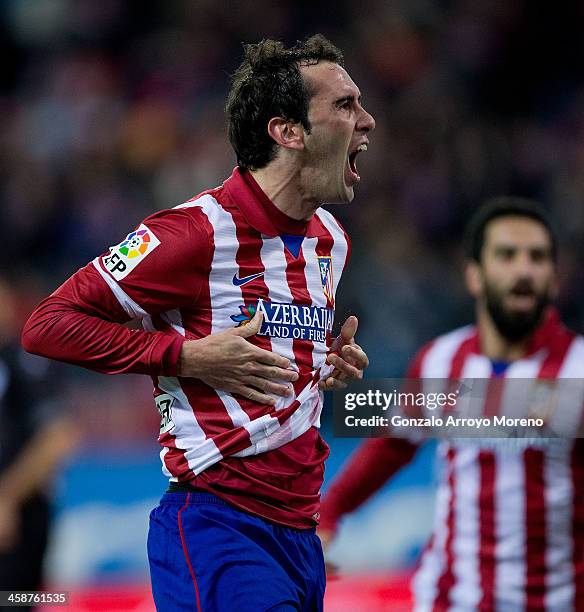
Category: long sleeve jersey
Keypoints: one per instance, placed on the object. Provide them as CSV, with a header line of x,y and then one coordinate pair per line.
x,y
509,520
198,269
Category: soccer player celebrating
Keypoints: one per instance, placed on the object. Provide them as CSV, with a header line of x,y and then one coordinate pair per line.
x,y
509,519
235,290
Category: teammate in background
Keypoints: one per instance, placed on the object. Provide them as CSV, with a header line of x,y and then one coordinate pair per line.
x,y
235,290
509,519
35,436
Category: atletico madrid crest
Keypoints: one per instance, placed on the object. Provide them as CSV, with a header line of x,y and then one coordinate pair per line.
x,y
325,265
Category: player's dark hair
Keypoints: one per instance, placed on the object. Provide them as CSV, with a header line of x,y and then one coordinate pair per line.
x,y
505,206
267,84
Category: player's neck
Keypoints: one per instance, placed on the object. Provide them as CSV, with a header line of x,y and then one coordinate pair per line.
x,y
494,345
282,184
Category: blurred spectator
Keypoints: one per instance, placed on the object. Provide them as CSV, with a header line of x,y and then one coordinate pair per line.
x,y
35,437
110,110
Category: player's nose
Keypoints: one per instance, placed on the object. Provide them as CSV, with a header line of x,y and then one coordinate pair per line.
x,y
366,122
524,264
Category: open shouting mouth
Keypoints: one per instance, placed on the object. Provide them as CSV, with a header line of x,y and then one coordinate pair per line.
x,y
352,172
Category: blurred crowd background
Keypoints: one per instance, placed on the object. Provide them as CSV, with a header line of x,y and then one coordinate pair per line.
x,y
112,109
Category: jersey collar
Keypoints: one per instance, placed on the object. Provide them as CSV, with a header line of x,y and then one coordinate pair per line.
x,y
262,214
549,332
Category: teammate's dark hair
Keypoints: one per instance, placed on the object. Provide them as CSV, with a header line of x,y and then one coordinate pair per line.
x,y
267,84
505,206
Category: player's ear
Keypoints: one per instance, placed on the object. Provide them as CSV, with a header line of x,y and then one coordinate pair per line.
x,y
473,278
287,134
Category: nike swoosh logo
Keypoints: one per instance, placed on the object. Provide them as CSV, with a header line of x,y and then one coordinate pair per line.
x,y
237,281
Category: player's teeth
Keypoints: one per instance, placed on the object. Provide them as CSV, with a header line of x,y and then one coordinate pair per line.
x,y
362,147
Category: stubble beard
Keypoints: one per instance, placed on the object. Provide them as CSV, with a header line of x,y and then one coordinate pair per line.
x,y
515,326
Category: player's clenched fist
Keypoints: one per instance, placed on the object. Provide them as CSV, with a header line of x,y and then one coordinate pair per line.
x,y
227,361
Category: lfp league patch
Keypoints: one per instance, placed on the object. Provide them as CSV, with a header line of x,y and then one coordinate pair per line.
x,y
325,265
124,257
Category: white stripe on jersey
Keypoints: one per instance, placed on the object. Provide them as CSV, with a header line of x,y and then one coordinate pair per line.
x,y
509,529
237,414
314,286
476,367
132,309
512,402
425,580
262,432
308,415
510,512
300,421
222,291
526,368
202,452
274,260
304,418
466,591
438,360
559,538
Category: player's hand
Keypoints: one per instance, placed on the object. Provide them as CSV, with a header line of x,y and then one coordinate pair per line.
x,y
227,361
9,525
347,356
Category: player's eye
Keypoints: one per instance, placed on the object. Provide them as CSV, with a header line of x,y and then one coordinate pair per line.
x,y
540,255
505,253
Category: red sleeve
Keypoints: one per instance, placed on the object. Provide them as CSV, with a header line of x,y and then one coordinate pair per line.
x,y
160,266
370,467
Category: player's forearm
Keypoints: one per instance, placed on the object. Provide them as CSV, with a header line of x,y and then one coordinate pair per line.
x,y
369,468
58,330
36,463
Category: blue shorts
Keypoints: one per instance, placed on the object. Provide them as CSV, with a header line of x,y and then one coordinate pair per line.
x,y
207,556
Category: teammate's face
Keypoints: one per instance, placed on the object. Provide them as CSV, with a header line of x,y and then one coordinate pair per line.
x,y
516,277
339,128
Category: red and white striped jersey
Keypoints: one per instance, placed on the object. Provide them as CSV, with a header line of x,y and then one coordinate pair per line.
x,y
198,269
509,519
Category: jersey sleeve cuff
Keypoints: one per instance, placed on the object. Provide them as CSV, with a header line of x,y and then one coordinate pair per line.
x,y
171,357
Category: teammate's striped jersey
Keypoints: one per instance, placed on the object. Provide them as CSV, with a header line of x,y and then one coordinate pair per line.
x,y
509,519
198,269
